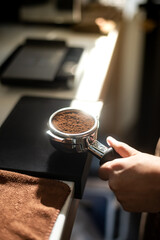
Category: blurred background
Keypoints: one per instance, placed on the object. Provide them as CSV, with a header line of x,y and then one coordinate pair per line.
x,y
132,101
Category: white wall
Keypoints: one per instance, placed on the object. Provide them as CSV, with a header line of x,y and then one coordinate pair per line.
x,y
123,101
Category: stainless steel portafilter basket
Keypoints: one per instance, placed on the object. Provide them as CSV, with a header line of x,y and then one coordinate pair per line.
x,y
81,141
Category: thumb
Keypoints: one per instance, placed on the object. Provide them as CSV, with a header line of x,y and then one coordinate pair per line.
x,y
122,148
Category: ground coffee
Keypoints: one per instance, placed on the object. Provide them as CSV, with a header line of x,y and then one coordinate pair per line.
x,y
73,121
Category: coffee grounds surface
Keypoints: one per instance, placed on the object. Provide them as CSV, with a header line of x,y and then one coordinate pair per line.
x,y
73,121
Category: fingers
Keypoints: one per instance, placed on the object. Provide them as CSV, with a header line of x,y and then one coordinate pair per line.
x,y
104,171
109,168
122,148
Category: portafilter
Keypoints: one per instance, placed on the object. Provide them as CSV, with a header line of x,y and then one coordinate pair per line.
x,y
74,130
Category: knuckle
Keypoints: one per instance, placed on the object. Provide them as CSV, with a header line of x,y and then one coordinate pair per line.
x,y
125,207
113,184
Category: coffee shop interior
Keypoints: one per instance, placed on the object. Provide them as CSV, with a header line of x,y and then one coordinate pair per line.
x,y
98,55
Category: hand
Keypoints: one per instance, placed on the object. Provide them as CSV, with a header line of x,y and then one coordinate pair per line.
x,y
134,178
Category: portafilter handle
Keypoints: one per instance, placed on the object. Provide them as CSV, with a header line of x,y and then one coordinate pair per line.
x,y
102,152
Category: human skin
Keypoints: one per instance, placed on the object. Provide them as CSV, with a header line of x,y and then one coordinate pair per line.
x,y
134,178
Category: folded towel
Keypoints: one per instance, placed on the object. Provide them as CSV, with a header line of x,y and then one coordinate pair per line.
x,y
29,205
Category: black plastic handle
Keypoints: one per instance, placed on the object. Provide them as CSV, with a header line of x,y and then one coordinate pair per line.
x,y
102,152
109,155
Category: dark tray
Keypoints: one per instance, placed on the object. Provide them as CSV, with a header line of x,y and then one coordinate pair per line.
x,y
41,63
25,147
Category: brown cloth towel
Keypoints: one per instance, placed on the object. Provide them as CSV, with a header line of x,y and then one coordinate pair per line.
x,y
29,206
